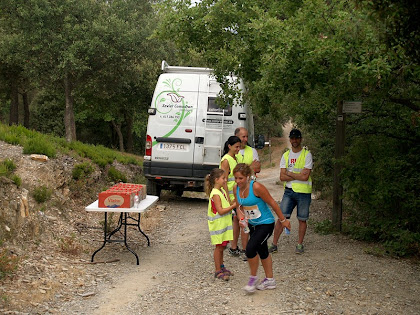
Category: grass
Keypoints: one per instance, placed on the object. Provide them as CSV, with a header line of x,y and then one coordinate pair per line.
x,y
34,142
42,193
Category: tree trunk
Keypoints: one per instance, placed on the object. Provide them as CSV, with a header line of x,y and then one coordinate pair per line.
x,y
117,128
69,123
25,109
129,135
14,104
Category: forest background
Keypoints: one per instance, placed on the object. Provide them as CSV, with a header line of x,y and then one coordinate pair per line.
x,y
86,69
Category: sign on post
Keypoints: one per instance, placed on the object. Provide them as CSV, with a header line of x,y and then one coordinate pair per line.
x,y
352,107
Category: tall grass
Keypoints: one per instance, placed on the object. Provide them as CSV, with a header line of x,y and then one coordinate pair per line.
x,y
35,142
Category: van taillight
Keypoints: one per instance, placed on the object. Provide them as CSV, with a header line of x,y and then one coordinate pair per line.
x,y
148,145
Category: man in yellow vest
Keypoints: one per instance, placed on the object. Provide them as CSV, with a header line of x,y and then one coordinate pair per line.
x,y
247,155
295,172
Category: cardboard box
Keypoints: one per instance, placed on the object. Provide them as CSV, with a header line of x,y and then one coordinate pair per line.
x,y
121,195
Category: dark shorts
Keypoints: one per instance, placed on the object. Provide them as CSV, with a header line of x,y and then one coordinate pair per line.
x,y
257,243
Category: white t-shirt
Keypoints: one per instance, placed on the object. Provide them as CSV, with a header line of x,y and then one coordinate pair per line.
x,y
292,160
254,154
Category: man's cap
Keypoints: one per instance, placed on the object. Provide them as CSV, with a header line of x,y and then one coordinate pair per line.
x,y
295,133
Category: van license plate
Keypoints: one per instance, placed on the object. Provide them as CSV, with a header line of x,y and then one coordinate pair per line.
x,y
173,146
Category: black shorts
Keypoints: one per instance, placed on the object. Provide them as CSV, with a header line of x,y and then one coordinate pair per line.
x,y
257,243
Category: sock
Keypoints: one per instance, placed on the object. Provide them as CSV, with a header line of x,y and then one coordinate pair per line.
x,y
222,266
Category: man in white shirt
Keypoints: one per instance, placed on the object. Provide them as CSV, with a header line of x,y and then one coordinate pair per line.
x,y
295,170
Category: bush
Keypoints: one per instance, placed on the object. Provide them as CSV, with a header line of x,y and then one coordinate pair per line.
x,y
116,176
82,170
42,194
7,167
8,263
69,245
17,180
39,145
324,227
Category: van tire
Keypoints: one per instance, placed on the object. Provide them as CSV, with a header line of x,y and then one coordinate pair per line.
x,y
153,188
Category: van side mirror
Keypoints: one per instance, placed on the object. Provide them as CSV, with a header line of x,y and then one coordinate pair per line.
x,y
259,142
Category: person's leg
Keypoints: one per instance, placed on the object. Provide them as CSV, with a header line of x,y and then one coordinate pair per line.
x,y
268,266
302,231
303,203
234,243
218,257
286,206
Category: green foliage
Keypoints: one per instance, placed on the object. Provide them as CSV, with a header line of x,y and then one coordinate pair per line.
x,y
8,263
116,176
39,145
16,179
7,167
82,170
42,193
324,227
35,142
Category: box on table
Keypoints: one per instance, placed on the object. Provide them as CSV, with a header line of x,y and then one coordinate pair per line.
x,y
121,195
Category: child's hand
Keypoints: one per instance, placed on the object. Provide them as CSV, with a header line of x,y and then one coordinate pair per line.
x,y
234,204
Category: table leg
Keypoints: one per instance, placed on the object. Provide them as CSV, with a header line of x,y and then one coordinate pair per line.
x,y
125,238
141,231
119,224
103,245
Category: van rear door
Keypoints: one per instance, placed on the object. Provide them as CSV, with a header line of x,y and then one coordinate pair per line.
x,y
173,127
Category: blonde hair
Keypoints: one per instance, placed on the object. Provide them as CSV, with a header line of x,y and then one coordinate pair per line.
x,y
210,179
242,168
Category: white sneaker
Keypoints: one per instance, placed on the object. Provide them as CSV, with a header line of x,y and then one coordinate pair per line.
x,y
267,284
252,284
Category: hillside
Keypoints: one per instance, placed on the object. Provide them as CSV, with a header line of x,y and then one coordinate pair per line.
x,y
47,237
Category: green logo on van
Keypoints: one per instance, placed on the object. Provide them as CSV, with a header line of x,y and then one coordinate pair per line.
x,y
170,100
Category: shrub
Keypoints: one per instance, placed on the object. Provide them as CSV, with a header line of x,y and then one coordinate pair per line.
x,y
42,194
116,176
8,263
17,180
324,227
82,170
7,167
39,145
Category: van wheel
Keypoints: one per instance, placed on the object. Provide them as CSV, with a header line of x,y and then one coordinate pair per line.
x,y
153,188
179,192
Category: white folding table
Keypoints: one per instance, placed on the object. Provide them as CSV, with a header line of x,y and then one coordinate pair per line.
x,y
123,221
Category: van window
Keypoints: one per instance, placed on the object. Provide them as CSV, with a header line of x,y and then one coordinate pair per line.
x,y
214,108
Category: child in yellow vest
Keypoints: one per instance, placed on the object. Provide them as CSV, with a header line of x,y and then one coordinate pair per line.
x,y
219,216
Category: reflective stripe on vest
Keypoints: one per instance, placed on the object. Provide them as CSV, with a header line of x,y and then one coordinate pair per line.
x,y
248,156
299,186
220,226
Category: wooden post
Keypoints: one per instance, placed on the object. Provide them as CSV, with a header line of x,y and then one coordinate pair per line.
x,y
337,212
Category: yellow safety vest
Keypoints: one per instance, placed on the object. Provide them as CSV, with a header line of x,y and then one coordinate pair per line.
x,y
298,185
220,226
231,178
248,156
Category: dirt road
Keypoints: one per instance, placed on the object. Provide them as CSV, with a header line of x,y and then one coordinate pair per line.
x,y
175,275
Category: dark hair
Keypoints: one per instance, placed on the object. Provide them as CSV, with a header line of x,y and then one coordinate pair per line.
x,y
230,141
210,179
242,168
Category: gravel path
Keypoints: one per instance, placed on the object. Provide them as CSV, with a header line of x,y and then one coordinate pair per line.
x,y
175,275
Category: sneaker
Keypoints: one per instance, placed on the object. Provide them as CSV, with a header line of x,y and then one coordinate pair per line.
x,y
243,255
252,284
299,249
234,252
272,248
267,284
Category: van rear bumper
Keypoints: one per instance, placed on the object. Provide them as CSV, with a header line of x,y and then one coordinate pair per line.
x,y
181,174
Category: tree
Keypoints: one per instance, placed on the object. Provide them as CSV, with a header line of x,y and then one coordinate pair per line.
x,y
302,57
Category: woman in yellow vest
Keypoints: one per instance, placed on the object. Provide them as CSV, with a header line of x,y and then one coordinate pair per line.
x,y
228,163
219,219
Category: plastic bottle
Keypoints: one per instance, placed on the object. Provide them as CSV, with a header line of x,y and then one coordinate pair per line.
x,y
136,200
286,231
246,228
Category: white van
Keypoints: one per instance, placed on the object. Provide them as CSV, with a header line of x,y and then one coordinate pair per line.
x,y
186,130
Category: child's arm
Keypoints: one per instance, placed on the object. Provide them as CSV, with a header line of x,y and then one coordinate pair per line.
x,y
225,166
218,205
